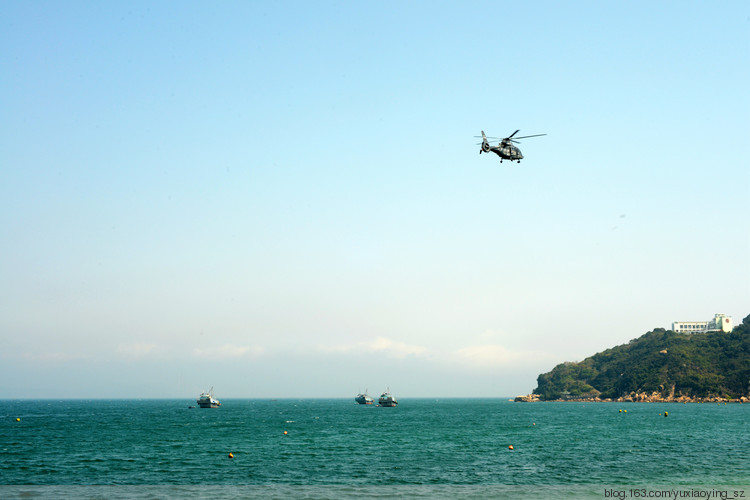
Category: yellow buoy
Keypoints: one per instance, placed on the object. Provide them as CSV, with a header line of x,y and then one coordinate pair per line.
x,y
620,411
230,455
510,447
666,414
18,420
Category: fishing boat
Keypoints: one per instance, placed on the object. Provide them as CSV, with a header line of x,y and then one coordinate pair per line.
x,y
364,399
207,400
387,399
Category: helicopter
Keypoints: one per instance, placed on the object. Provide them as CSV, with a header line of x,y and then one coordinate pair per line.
x,y
505,150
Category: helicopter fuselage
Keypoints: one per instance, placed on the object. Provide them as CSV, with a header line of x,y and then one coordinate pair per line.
x,y
507,152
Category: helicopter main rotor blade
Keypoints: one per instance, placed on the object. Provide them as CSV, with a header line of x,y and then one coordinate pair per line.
x,y
527,136
514,133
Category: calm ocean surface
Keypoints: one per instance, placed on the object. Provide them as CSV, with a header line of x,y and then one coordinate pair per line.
x,y
424,448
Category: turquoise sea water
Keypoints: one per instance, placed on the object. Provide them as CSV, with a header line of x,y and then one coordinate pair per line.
x,y
334,448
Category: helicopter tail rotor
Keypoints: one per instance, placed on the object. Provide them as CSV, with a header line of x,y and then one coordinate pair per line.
x,y
485,144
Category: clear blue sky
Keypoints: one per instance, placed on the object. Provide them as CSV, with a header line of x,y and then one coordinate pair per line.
x,y
285,199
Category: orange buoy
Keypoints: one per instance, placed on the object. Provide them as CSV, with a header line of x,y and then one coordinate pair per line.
x,y
285,433
230,455
510,447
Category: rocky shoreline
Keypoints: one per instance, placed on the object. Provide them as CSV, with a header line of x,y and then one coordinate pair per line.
x,y
635,397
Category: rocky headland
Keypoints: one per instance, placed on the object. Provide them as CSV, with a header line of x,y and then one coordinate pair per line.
x,y
661,366
636,397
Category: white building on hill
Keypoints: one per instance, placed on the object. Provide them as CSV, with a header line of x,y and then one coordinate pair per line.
x,y
720,323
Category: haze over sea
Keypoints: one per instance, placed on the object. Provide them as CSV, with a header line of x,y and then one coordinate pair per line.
x,y
334,448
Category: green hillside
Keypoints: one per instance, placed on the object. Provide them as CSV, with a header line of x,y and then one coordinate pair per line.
x,y
662,361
